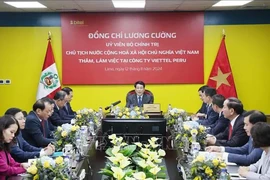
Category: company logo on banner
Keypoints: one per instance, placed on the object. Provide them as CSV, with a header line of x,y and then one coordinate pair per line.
x,y
121,48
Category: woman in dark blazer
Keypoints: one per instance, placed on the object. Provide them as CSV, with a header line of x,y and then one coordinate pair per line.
x,y
22,151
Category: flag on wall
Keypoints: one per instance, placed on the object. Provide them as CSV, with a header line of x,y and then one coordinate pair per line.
x,y
221,76
49,82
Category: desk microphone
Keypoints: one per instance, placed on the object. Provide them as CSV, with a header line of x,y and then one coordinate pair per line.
x,y
113,104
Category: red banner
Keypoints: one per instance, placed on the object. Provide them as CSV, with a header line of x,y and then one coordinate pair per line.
x,y
121,48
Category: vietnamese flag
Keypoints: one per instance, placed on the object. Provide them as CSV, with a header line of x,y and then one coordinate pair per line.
x,y
49,82
221,76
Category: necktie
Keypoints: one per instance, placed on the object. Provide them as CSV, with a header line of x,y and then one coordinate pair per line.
x,y
66,108
230,131
140,101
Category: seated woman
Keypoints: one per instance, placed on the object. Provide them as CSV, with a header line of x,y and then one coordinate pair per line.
x,y
22,151
260,133
8,130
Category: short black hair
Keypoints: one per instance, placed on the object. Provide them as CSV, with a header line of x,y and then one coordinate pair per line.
x,y
5,122
202,88
67,90
260,133
236,104
13,111
139,82
24,113
47,99
218,100
255,116
39,104
209,91
60,95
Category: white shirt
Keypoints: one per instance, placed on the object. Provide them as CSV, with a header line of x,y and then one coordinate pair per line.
x,y
233,121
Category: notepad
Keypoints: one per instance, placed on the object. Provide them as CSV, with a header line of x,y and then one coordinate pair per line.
x,y
235,176
231,164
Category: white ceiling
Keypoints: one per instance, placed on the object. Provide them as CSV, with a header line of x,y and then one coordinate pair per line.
x,y
151,5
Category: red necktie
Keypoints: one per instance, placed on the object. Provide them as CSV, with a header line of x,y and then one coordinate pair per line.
x,y
230,131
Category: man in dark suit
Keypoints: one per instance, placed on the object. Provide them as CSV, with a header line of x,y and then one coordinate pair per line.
x,y
58,116
222,123
234,135
203,110
67,108
211,116
36,131
140,97
246,154
22,151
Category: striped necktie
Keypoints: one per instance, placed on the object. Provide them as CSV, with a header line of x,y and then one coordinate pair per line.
x,y
140,101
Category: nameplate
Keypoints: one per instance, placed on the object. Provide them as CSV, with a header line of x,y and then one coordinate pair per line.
x,y
151,107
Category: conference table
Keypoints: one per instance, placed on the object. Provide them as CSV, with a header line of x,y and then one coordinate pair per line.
x,y
96,159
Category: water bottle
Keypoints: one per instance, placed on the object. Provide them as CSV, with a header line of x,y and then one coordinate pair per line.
x,y
100,113
223,174
92,128
195,152
169,107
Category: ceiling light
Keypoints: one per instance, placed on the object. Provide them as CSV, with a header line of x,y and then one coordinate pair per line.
x,y
128,4
25,4
231,3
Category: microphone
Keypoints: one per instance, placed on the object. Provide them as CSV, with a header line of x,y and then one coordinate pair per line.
x,y
113,104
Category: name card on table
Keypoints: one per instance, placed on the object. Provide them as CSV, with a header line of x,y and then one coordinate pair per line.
x,y
151,107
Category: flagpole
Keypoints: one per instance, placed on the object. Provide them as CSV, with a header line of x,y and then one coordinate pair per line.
x,y
223,32
49,35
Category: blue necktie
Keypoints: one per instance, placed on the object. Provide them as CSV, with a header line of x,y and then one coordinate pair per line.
x,y
140,101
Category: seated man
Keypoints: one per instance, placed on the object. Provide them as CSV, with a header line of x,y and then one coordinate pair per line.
x,y
234,135
139,97
246,154
222,123
58,116
51,102
22,151
36,131
67,108
201,113
211,116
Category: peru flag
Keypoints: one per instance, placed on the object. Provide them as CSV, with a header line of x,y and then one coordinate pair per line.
x,y
49,82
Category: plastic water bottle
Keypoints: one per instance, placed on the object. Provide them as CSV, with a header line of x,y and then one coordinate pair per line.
x,y
100,113
223,174
169,107
195,152
92,128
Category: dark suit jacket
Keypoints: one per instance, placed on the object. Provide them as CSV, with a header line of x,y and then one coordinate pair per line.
x,y
33,131
59,117
203,109
245,155
239,136
67,108
22,151
132,100
211,118
219,126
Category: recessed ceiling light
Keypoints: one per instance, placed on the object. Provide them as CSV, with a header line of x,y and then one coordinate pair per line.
x,y
231,3
128,4
25,4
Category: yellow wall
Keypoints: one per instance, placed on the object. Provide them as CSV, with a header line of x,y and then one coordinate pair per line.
x,y
22,53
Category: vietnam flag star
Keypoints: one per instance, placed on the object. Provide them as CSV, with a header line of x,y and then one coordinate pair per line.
x,y
221,76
